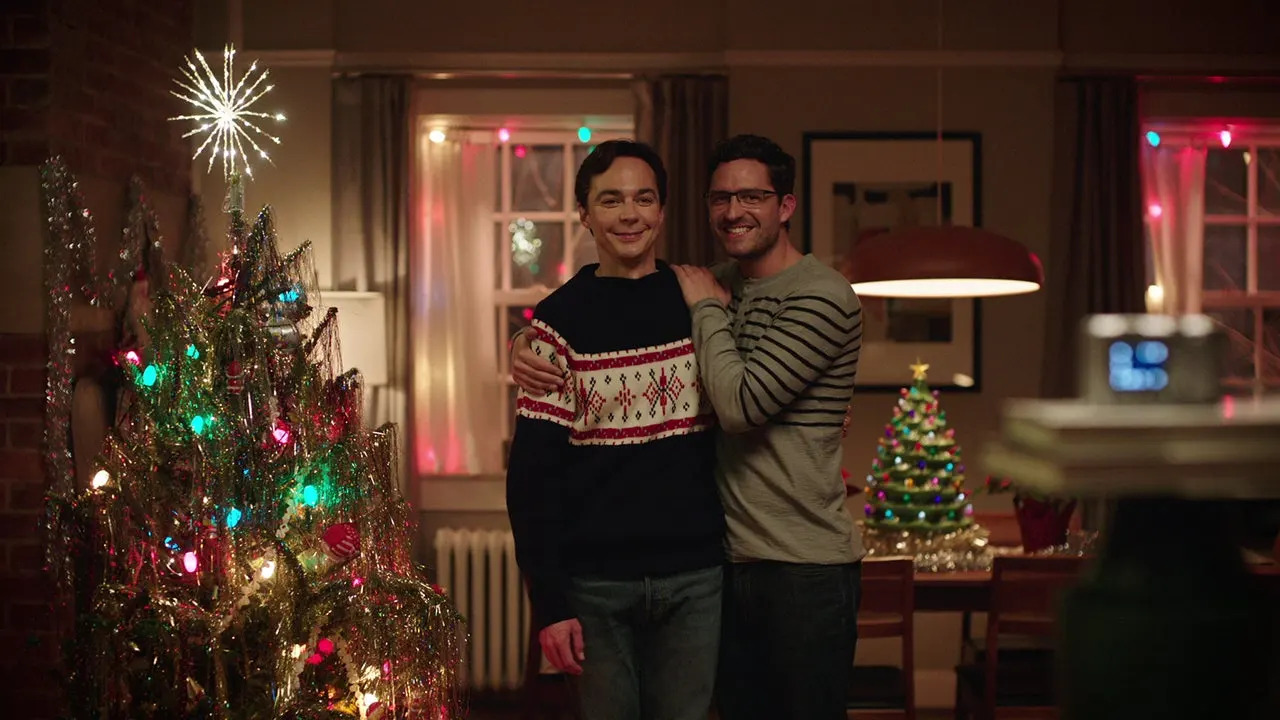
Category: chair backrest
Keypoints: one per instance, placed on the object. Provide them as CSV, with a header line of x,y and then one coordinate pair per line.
x,y
1024,601
1025,592
888,586
887,598
886,609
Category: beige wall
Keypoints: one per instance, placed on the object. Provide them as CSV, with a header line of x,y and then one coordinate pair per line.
x,y
1075,26
296,184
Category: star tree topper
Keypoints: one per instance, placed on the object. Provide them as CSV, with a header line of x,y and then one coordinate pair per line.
x,y
918,370
224,111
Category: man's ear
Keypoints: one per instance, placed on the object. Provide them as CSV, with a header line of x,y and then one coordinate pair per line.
x,y
582,217
787,207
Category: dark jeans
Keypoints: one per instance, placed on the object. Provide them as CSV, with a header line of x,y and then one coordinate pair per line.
x,y
650,645
788,640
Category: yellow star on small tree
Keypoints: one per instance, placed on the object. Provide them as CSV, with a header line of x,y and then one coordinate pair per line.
x,y
918,370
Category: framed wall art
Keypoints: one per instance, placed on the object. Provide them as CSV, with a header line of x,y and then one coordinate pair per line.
x,y
860,184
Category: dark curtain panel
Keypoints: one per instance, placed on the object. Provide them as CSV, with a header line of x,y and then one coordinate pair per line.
x,y
371,159
1096,259
683,117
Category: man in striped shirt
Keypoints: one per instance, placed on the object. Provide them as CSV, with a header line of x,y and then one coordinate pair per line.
x,y
777,336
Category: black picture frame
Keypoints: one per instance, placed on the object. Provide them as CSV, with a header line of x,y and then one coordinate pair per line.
x,y
844,174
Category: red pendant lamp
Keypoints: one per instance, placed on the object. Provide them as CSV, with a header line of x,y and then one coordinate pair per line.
x,y
950,261
946,261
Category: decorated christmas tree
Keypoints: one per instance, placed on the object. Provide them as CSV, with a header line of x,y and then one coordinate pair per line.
x,y
241,550
916,500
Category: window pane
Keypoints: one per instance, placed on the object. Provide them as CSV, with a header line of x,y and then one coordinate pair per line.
x,y
1271,346
1149,255
1224,182
518,317
537,178
580,153
500,340
1269,181
497,177
584,249
501,238
1238,326
1269,257
1225,251
537,253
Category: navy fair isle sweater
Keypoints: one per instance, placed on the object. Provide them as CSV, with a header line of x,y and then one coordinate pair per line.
x,y
614,476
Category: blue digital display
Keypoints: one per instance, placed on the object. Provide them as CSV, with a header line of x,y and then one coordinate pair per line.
x,y
1139,367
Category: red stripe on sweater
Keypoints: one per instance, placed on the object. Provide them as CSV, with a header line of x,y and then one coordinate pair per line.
x,y
544,408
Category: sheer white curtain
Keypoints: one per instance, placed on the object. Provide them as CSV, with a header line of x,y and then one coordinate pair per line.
x,y
456,397
1173,180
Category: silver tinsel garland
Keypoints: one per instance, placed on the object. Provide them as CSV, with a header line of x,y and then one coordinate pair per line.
x,y
965,549
961,550
69,263
143,247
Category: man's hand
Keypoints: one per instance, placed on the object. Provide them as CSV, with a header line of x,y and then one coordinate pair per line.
x,y
563,646
698,284
848,415
533,374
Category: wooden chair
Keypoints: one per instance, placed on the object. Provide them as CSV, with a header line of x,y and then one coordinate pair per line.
x,y
886,609
1024,603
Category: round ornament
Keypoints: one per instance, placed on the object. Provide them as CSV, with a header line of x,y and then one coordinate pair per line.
x,y
235,377
342,541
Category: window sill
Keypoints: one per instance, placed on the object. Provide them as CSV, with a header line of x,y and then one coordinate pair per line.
x,y
472,493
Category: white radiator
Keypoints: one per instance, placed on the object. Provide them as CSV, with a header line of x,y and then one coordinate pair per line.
x,y
477,568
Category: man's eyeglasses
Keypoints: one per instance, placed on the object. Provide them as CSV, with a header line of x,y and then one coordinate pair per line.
x,y
751,197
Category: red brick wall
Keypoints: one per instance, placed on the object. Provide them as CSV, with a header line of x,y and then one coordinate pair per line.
x,y
27,646
113,67
90,80
25,62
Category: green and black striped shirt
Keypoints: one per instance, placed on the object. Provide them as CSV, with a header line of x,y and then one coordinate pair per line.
x,y
779,365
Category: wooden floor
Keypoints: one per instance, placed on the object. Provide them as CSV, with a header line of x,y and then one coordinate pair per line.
x,y
505,706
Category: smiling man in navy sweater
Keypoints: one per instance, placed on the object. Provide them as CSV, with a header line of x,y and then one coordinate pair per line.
x,y
611,481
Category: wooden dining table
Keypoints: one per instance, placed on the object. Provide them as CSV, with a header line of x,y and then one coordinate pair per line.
x,y
967,591
959,591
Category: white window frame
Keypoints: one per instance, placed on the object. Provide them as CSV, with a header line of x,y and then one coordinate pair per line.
x,y
541,130
1247,137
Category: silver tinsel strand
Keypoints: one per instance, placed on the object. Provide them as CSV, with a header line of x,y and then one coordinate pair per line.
x,y
143,247
69,264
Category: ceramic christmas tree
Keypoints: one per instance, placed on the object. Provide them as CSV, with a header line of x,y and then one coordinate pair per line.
x,y
917,478
917,504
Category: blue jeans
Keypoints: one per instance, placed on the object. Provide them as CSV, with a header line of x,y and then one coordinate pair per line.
x,y
788,640
650,645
